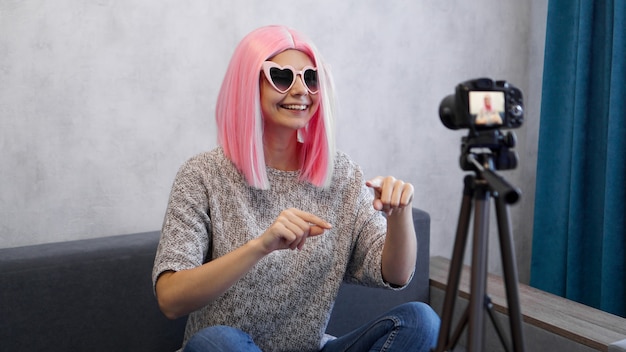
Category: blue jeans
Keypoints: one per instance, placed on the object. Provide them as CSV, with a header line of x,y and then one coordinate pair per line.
x,y
411,326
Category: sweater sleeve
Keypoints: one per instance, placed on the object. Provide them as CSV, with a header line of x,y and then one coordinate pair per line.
x,y
185,235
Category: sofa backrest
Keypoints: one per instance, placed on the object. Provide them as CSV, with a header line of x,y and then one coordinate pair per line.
x,y
86,295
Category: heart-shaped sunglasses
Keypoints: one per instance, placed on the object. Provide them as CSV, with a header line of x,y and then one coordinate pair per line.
x,y
282,78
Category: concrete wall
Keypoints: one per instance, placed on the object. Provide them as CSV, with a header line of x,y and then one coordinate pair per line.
x,y
102,100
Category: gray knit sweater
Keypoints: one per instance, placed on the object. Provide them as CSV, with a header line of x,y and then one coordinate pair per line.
x,y
284,302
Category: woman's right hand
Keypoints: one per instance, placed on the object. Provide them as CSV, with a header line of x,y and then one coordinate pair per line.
x,y
291,229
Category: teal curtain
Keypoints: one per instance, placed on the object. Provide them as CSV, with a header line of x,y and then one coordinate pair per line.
x,y
579,235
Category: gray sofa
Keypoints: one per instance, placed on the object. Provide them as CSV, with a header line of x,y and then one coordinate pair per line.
x,y
96,295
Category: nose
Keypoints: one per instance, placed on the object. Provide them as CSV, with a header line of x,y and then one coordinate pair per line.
x,y
298,87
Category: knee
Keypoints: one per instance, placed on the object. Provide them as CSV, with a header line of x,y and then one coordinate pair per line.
x,y
421,316
219,337
426,325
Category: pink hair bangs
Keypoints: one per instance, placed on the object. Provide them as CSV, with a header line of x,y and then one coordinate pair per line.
x,y
238,111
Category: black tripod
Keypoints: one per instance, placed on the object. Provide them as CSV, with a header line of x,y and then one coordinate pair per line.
x,y
478,190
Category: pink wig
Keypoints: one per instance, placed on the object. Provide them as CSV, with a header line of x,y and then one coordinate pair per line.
x,y
238,110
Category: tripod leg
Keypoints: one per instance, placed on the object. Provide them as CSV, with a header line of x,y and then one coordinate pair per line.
x,y
456,265
495,323
510,274
459,330
478,282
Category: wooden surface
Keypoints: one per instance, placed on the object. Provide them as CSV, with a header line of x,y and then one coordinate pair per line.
x,y
572,320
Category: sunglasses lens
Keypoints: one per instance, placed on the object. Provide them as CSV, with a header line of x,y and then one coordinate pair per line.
x,y
282,79
310,79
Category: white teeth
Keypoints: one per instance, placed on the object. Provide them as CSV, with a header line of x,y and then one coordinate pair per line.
x,y
295,107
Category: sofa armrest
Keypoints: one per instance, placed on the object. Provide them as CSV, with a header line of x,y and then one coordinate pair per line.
x,y
356,305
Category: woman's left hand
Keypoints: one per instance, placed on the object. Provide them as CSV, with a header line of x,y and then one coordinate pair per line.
x,y
390,193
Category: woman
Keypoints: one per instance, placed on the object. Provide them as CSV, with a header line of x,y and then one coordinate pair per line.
x,y
260,232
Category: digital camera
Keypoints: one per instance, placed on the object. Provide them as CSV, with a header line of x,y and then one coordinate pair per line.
x,y
483,104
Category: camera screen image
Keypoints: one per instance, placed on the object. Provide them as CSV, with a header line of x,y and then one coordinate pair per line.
x,y
487,107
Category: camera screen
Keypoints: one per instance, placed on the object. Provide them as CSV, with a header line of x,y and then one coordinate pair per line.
x,y
487,107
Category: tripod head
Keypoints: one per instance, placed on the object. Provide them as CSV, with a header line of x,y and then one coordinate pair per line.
x,y
486,151
492,142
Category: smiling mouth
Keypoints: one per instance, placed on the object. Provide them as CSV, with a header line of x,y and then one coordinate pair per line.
x,y
296,107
